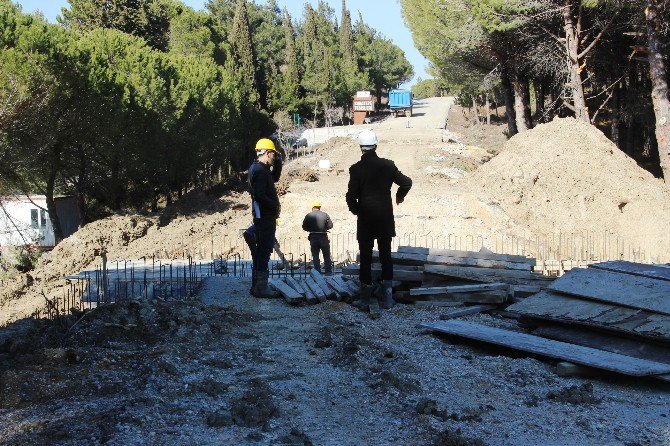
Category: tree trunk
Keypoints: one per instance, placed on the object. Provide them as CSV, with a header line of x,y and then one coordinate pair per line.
x,y
509,104
488,110
81,187
521,101
54,167
474,107
116,186
659,88
539,100
572,36
616,116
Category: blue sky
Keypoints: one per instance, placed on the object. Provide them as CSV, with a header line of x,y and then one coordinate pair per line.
x,y
383,15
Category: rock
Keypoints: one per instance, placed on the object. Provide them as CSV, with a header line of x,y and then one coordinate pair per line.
x,y
219,419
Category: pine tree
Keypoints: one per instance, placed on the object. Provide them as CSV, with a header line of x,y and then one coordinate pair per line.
x,y
243,51
346,34
291,75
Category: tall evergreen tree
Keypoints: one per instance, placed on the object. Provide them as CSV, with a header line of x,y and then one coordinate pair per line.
x,y
243,51
346,34
143,18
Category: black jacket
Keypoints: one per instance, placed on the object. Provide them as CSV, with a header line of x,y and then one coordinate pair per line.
x,y
317,221
264,198
369,195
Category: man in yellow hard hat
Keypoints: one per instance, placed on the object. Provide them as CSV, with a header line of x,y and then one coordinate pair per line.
x,y
262,176
317,223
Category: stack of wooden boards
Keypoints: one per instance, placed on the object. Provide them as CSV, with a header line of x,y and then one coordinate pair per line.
x,y
314,288
444,277
613,316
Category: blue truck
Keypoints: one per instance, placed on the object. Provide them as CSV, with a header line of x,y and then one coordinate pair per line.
x,y
400,102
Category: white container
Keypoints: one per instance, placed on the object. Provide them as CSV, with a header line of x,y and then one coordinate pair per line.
x,y
324,164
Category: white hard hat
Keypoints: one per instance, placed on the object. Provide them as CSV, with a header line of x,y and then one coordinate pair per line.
x,y
367,139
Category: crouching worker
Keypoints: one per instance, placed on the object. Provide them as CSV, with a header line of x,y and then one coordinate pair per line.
x,y
317,223
262,176
369,198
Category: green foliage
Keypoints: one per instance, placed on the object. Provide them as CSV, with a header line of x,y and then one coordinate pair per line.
x,y
426,88
26,259
147,19
128,99
243,52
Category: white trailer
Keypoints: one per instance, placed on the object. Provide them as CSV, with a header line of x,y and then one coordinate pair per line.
x,y
24,220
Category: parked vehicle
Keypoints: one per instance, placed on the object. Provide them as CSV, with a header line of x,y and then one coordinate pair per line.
x,y
401,102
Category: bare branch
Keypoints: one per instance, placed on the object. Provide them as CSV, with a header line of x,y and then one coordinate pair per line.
x,y
596,39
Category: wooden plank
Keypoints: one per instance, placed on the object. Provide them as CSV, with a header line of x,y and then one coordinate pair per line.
x,y
474,309
485,297
309,294
421,259
334,284
477,274
316,289
318,278
437,303
636,269
636,348
458,289
295,285
290,295
621,289
400,272
343,284
353,287
526,290
484,254
554,349
557,307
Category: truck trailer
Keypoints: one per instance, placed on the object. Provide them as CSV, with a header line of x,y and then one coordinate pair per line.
x,y
400,102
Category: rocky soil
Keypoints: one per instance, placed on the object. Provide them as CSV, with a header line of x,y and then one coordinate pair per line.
x,y
231,369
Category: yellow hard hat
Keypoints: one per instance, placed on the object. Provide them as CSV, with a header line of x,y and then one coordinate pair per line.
x,y
265,144
316,204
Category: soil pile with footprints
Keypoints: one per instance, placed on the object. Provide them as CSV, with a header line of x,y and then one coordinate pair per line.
x,y
567,176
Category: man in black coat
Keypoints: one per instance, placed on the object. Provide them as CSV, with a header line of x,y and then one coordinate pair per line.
x,y
369,198
318,223
262,176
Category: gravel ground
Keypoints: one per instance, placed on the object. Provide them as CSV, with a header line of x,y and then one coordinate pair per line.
x,y
231,370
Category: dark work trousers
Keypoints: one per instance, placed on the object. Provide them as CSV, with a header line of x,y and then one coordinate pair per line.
x,y
250,239
265,240
365,247
320,243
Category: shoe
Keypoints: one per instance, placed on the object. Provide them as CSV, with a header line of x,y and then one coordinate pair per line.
x,y
387,295
262,289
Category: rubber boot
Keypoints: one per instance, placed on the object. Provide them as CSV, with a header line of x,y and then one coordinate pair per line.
x,y
363,302
262,289
387,295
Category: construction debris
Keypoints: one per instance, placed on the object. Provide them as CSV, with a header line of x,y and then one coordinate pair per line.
x,y
612,316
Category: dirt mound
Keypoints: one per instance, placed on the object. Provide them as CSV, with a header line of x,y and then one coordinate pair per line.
x,y
295,174
566,176
77,252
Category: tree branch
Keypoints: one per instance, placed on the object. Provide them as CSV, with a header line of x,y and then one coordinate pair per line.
x,y
596,39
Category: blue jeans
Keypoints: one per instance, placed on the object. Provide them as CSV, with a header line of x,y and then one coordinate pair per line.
x,y
265,241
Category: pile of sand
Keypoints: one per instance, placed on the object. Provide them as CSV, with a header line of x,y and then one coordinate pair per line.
x,y
566,176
